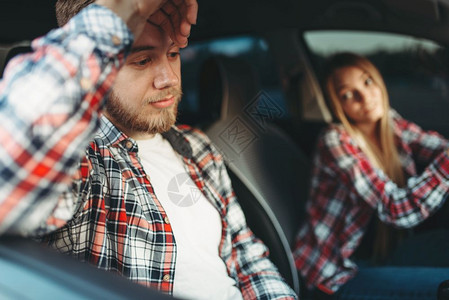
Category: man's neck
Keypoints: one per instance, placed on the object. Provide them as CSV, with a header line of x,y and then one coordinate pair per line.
x,y
136,135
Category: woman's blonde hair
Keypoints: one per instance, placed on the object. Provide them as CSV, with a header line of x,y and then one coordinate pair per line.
x,y
386,157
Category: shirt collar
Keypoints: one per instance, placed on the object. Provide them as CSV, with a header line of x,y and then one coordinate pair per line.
x,y
110,134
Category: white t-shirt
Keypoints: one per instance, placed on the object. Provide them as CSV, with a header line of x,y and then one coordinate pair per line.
x,y
200,273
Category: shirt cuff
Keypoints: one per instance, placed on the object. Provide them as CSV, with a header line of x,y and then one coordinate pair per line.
x,y
94,26
105,28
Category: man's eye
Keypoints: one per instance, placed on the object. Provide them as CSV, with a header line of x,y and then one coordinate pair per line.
x,y
173,54
142,62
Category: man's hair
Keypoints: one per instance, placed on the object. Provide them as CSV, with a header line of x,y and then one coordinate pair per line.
x,y
66,9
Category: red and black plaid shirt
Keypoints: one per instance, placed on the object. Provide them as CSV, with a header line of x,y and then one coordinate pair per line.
x,y
120,225
346,191
104,209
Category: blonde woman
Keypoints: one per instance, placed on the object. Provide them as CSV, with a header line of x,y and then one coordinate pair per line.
x,y
365,177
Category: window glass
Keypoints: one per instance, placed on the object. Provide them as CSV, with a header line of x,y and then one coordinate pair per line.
x,y
415,70
252,50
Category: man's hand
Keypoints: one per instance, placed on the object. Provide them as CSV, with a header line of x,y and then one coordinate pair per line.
x,y
174,16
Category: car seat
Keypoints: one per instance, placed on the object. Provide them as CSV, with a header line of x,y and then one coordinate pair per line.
x,y
10,53
269,172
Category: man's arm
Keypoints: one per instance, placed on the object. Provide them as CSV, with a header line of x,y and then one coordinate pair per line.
x,y
257,277
50,101
248,262
245,256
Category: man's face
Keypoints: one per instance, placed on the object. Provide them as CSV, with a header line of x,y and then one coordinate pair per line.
x,y
146,93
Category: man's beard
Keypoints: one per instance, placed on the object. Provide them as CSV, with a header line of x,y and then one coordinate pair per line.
x,y
158,121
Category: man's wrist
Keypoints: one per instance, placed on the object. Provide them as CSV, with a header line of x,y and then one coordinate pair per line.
x,y
127,12
104,28
133,13
123,11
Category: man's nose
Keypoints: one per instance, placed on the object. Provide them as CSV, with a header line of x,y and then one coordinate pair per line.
x,y
165,76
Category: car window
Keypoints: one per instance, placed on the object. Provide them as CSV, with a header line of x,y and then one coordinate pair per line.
x,y
253,50
415,70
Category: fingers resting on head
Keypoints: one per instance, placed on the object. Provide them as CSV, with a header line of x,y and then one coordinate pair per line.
x,y
176,18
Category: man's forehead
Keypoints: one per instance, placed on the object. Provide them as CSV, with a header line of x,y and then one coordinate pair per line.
x,y
153,36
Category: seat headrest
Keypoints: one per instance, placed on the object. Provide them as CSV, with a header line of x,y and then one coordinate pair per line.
x,y
11,53
227,85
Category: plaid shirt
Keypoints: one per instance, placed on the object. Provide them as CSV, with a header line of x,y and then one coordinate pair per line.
x,y
104,205
346,191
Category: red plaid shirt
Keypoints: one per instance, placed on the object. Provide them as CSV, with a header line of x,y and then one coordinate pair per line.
x,y
103,208
346,191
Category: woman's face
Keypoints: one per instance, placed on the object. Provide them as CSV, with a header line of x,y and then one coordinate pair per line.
x,y
360,97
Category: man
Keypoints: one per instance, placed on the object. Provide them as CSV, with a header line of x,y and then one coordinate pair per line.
x,y
119,212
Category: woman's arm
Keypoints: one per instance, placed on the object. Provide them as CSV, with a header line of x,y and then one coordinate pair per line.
x,y
403,207
425,145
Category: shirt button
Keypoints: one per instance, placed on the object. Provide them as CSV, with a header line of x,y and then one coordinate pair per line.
x,y
116,40
166,277
166,220
85,84
129,145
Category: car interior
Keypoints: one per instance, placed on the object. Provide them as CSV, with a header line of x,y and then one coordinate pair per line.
x,y
251,81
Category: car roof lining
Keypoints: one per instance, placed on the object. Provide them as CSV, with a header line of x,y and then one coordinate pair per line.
x,y
420,18
26,19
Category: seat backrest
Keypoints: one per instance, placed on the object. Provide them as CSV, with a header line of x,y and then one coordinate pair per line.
x,y
13,51
225,85
268,171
